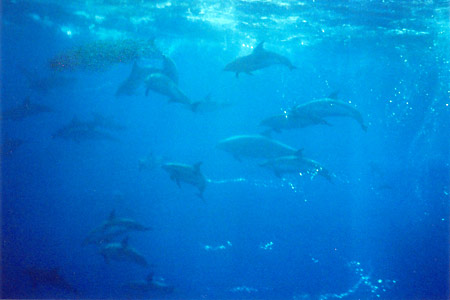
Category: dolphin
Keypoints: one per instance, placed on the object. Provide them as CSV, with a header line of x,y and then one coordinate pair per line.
x,y
113,227
256,146
189,174
82,131
295,164
208,105
24,110
138,75
126,223
122,252
162,84
290,120
49,277
150,284
135,80
258,59
169,68
327,107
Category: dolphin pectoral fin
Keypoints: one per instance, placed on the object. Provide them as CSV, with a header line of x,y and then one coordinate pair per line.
x,y
325,122
197,167
236,157
267,133
299,152
291,67
334,95
249,73
237,74
277,174
146,91
194,106
200,195
178,182
364,127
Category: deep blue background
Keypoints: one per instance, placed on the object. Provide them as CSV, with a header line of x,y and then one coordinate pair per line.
x,y
388,209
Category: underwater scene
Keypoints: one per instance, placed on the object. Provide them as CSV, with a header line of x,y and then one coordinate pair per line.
x,y
241,149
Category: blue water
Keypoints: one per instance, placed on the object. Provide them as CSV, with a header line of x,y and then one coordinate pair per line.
x,y
380,230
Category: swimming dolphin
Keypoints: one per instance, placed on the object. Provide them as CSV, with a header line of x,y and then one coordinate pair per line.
x,y
112,228
258,59
256,146
81,131
150,284
49,277
208,105
122,252
138,75
290,120
295,164
169,68
188,174
327,107
24,110
129,224
162,84
135,80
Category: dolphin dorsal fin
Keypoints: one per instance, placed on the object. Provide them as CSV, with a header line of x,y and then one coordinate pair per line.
x,y
259,48
125,242
197,167
149,277
112,215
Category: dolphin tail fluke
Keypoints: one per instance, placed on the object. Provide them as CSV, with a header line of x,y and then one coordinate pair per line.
x,y
197,166
200,195
325,122
292,67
